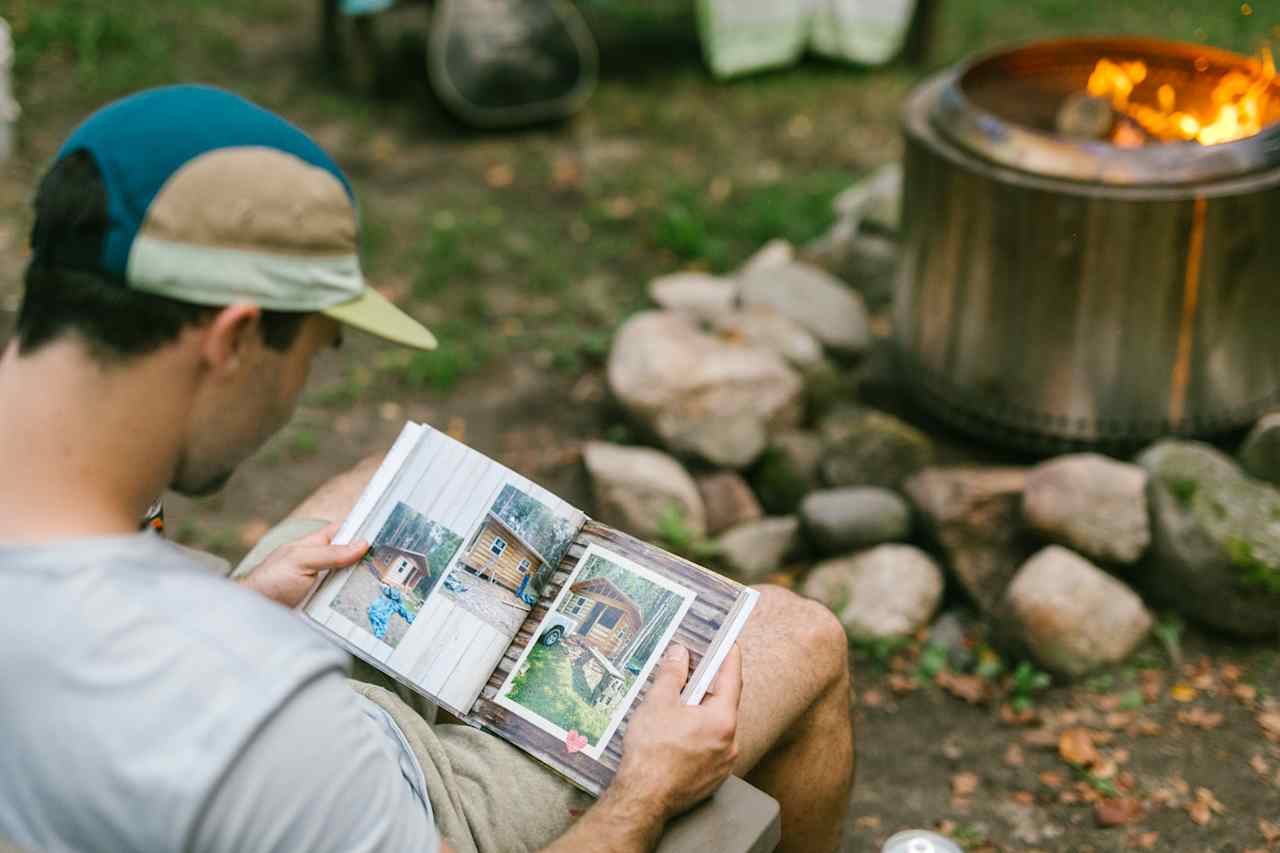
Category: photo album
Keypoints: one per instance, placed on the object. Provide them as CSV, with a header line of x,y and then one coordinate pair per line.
x,y
513,610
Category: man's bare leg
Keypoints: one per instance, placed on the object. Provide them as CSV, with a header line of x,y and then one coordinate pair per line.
x,y
795,734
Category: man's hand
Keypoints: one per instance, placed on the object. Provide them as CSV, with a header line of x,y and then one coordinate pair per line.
x,y
290,570
673,756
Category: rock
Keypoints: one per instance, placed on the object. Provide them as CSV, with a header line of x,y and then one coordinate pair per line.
x,y
699,295
951,632
634,487
772,254
729,501
753,550
852,518
1215,540
875,201
701,395
762,326
870,448
1073,616
1092,504
1260,453
787,471
825,306
888,591
975,515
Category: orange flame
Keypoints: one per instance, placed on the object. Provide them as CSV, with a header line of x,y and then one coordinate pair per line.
x,y
1239,103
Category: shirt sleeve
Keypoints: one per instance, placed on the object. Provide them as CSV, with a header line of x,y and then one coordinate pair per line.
x,y
319,776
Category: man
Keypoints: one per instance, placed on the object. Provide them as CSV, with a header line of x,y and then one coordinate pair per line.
x,y
191,255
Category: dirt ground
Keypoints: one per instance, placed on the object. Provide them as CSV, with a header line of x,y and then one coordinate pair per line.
x,y
525,250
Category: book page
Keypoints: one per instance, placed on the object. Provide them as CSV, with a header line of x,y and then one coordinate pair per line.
x,y
460,550
586,657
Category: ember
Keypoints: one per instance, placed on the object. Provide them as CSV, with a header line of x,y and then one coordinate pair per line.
x,y
1235,109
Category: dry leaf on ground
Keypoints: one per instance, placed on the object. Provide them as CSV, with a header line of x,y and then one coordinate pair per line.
x,y
1259,764
964,784
1183,692
1200,718
1246,693
867,821
1117,812
970,688
1270,722
1270,831
1013,756
1144,841
1076,747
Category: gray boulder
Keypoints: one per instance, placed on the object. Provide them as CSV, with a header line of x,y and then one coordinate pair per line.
x,y
764,327
699,394
848,519
888,591
865,447
699,295
788,470
775,253
1073,616
825,306
1260,453
729,501
975,515
1090,503
753,550
875,202
1215,550
634,487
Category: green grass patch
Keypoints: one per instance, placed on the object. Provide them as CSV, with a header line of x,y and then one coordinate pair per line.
x,y
551,688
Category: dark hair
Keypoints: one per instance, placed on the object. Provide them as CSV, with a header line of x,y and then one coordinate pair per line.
x,y
67,291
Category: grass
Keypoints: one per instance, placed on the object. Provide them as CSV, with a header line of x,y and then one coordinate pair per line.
x,y
551,689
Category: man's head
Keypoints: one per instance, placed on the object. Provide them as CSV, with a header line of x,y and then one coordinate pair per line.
x,y
187,225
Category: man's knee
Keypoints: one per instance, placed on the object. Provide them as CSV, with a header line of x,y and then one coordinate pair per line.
x,y
812,627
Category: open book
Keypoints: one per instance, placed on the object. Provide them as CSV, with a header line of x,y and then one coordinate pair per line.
x,y
514,611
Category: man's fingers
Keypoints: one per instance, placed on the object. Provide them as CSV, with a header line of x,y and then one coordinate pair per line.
x,y
726,688
323,558
672,674
323,536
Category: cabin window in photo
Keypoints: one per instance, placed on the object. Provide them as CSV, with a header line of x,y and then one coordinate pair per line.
x,y
498,546
610,617
576,604
623,634
524,566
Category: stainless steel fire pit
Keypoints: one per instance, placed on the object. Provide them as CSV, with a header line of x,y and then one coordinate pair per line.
x,y
1066,291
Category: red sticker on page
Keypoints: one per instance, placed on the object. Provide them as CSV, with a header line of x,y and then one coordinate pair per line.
x,y
573,742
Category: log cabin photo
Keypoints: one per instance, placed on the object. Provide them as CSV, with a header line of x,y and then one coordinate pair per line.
x,y
498,553
607,618
398,567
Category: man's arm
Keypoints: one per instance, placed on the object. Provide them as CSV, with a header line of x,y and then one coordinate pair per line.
x,y
674,756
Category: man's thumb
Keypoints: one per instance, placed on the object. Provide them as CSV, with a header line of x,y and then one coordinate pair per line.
x,y
673,672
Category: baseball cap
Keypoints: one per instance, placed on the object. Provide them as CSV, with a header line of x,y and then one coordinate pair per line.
x,y
214,200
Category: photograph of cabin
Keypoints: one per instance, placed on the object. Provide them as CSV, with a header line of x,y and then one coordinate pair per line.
x,y
398,567
498,553
607,618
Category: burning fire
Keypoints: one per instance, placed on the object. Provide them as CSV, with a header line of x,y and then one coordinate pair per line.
x,y
1239,102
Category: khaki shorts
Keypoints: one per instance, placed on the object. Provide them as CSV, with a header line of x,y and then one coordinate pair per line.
x,y
487,796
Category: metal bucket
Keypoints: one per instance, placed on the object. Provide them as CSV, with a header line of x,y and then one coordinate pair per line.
x,y
1055,293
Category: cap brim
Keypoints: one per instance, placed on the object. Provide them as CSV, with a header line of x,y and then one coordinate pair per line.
x,y
371,312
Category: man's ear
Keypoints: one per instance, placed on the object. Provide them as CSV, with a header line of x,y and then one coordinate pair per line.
x,y
229,337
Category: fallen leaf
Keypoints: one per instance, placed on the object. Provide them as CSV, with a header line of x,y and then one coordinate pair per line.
x,y
872,698
964,784
1151,682
1117,812
499,176
1199,813
1183,692
1120,719
1200,718
620,207
970,688
1270,831
868,821
1120,756
1270,722
1076,747
1011,717
1013,756
1104,768
1259,764
1026,798
1050,779
1040,737
1230,672
1204,795
1246,693
1145,841
899,683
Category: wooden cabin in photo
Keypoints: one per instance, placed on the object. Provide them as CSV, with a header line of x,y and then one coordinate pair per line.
x,y
608,620
399,568
498,553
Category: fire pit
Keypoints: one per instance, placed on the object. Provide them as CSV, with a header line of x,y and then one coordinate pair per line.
x,y
1091,249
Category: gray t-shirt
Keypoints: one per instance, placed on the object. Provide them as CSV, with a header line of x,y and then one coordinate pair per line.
x,y
150,705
